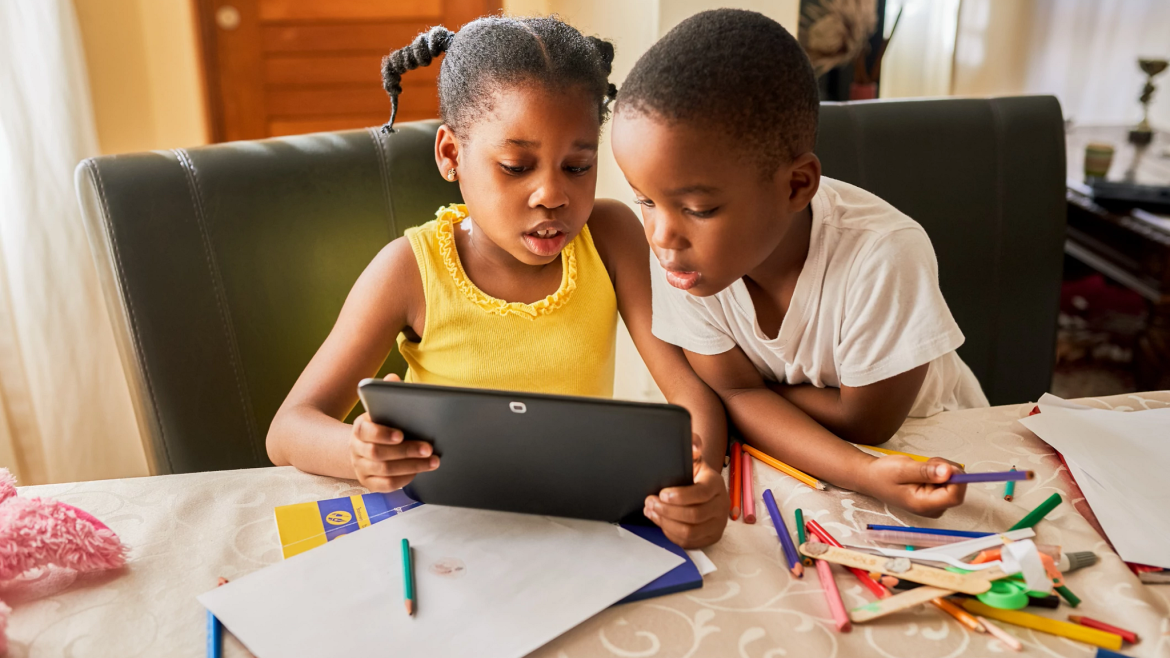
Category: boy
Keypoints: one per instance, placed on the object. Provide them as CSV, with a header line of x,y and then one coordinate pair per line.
x,y
810,306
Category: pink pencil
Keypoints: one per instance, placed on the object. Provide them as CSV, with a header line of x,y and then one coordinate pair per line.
x,y
833,596
749,498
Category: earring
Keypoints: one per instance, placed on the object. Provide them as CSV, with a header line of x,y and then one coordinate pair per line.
x,y
451,174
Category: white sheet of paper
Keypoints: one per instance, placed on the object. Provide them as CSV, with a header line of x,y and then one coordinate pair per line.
x,y
488,584
1119,461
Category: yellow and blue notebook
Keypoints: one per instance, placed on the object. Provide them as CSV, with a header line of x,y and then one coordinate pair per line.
x,y
307,525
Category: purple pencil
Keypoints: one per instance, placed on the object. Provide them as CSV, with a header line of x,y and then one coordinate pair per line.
x,y
1000,476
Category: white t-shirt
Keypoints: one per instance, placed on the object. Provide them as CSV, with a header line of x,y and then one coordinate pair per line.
x,y
866,307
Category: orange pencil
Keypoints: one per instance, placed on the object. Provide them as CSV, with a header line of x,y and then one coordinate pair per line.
x,y
749,498
962,616
733,479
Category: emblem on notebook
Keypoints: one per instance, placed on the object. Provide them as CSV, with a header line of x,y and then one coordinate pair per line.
x,y
517,407
339,517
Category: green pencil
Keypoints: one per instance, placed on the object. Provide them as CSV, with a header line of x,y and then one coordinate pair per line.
x,y
1040,512
408,575
800,536
1009,489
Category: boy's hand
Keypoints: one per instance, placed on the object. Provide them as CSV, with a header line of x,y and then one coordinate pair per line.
x,y
382,459
692,516
918,487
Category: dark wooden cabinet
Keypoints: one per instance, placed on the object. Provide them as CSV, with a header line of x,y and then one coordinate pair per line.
x,y
283,67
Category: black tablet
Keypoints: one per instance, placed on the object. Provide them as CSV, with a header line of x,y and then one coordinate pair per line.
x,y
585,458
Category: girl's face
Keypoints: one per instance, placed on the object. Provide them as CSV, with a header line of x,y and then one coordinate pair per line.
x,y
527,170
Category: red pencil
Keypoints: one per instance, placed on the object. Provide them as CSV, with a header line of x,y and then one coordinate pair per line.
x,y
1089,622
879,590
734,479
749,496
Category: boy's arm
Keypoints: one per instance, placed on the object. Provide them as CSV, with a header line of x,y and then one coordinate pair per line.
x,y
781,429
862,414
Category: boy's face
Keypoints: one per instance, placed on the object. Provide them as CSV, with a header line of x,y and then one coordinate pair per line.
x,y
711,216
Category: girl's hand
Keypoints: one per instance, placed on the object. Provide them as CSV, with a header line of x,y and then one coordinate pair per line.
x,y
382,459
692,516
919,487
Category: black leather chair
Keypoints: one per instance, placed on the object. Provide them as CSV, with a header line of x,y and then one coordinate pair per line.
x,y
224,266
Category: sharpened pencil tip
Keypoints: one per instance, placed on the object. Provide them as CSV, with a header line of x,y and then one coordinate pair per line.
x,y
734,513
798,570
1008,497
409,607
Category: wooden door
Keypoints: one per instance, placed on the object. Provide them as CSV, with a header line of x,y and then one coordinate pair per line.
x,y
284,67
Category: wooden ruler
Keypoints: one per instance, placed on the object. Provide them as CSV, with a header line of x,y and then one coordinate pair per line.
x,y
976,582
896,603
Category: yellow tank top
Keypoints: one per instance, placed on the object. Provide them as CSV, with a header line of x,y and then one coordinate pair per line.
x,y
562,344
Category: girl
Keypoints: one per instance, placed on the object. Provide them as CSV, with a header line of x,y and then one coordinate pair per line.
x,y
518,289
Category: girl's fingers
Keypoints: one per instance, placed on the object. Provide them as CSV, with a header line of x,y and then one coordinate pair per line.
x,y
383,452
400,467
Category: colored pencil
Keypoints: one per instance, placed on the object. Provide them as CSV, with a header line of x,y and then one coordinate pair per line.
x,y
995,476
1046,625
1003,636
800,536
1040,512
879,590
1067,594
1009,489
790,554
1105,653
962,616
932,531
800,475
833,597
915,539
215,630
1128,636
734,479
749,494
887,451
408,576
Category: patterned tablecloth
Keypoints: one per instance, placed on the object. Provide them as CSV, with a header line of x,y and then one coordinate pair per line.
x,y
186,530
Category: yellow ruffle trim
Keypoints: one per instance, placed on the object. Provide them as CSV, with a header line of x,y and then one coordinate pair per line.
x,y
451,215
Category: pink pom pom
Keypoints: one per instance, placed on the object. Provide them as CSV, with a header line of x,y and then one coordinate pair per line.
x,y
7,485
36,533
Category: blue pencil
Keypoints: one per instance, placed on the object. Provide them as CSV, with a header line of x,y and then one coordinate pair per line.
x,y
931,531
215,632
999,476
790,553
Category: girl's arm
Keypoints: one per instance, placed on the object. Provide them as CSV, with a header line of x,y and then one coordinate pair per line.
x,y
696,515
621,241
308,430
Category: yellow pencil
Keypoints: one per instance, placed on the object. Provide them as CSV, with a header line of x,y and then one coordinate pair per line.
x,y
887,451
1046,625
800,475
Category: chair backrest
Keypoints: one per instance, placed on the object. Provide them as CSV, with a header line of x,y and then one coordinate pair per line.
x,y
225,266
986,179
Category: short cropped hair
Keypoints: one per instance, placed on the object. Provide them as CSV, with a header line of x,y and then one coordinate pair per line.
x,y
736,71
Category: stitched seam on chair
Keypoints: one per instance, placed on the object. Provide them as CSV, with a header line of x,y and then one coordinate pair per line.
x,y
384,170
997,261
220,296
96,175
862,180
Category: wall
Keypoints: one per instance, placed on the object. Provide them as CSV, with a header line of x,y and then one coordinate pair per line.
x,y
143,62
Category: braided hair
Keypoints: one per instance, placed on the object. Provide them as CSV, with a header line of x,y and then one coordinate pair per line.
x,y
736,71
497,50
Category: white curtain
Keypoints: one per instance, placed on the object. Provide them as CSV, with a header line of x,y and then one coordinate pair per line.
x,y
1086,51
65,411
919,59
